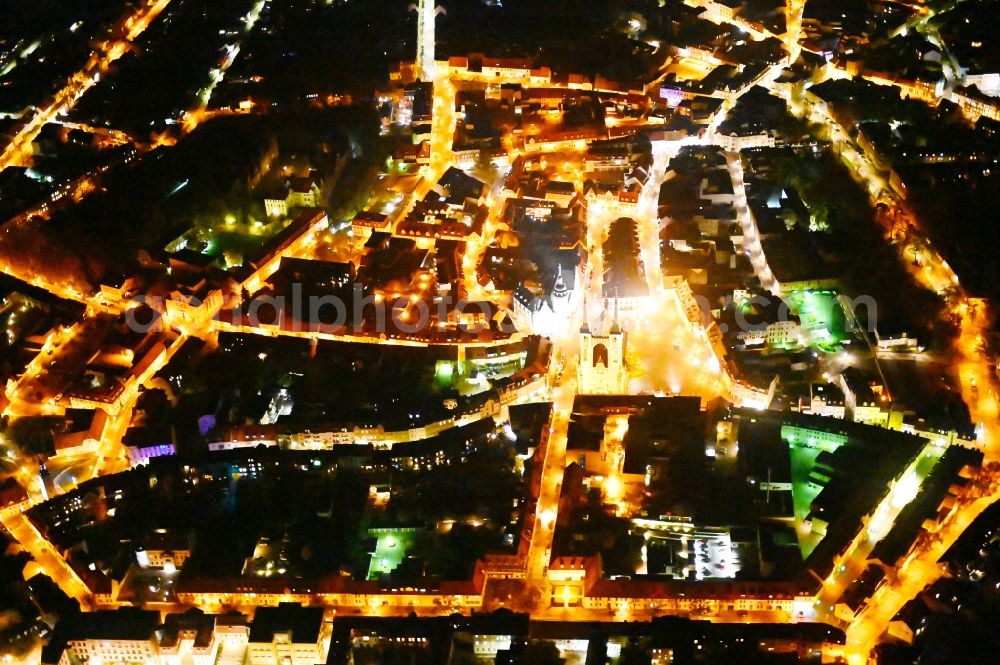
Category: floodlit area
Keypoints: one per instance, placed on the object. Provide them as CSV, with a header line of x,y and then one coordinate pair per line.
x,y
671,356
684,551
390,550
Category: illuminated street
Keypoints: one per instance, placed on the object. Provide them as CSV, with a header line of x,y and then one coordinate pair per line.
x,y
130,27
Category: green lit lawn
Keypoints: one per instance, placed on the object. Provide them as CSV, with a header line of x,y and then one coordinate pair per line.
x,y
445,373
390,550
821,315
230,240
803,459
929,458
803,494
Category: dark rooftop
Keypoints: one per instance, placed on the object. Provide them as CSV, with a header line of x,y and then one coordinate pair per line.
x,y
303,623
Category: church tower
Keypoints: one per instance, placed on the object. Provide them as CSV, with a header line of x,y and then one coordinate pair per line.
x,y
560,292
426,13
601,370
559,300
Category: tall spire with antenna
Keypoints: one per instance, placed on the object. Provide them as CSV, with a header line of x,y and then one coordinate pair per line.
x,y
615,328
426,13
559,288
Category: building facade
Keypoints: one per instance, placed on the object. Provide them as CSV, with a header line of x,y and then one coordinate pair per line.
x,y
601,370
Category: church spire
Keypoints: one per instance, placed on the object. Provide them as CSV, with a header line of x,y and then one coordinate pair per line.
x,y
559,288
585,327
615,328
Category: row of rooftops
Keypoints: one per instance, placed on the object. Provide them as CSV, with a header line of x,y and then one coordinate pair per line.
x,y
248,434
477,63
296,184
194,275
653,420
304,626
218,464
436,634
128,624
331,584
453,204
436,219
